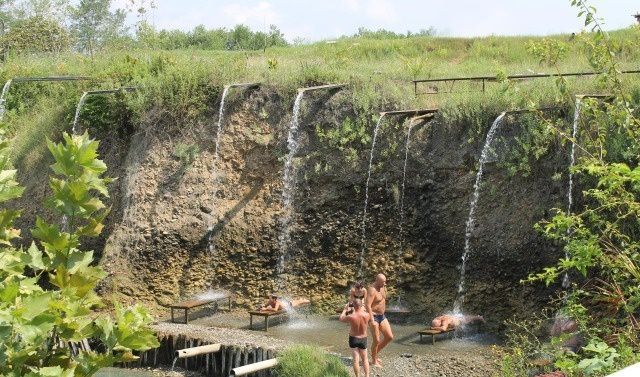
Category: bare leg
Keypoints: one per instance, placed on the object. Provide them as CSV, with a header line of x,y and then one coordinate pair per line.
x,y
375,335
365,361
356,362
385,329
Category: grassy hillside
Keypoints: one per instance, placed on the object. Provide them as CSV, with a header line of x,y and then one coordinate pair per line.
x,y
185,84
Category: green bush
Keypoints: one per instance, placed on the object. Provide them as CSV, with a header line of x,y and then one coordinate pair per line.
x,y
309,361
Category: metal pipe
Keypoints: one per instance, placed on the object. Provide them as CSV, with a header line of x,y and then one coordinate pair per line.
x,y
195,351
244,84
255,367
319,87
519,77
415,112
50,78
521,111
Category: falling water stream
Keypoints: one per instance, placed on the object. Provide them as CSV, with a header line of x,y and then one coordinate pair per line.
x,y
366,197
83,99
3,98
457,306
288,189
403,187
216,156
566,281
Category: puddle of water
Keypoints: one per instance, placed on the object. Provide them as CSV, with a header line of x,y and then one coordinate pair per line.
x,y
327,332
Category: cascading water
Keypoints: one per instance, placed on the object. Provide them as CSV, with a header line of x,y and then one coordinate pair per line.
x,y
404,180
566,281
288,182
216,156
366,197
457,306
3,98
83,99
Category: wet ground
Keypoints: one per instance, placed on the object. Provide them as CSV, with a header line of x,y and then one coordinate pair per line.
x,y
466,354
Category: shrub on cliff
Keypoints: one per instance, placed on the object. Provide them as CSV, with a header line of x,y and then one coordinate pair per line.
x,y
47,296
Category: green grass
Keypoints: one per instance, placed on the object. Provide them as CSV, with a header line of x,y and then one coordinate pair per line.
x,y
183,86
309,361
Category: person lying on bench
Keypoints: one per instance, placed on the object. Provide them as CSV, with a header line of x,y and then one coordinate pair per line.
x,y
297,302
447,321
272,305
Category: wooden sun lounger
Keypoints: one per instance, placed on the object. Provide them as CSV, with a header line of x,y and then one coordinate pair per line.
x,y
190,304
433,332
266,315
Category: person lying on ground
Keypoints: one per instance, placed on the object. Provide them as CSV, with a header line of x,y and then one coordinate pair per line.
x,y
357,320
272,305
447,321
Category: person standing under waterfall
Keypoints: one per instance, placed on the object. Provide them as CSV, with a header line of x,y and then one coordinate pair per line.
x,y
357,320
376,306
358,291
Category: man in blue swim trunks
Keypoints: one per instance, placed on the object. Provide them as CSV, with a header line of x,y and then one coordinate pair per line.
x,y
376,305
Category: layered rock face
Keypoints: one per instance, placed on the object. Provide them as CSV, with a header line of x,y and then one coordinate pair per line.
x,y
170,201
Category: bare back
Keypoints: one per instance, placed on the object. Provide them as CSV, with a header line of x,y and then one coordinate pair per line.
x,y
358,321
378,299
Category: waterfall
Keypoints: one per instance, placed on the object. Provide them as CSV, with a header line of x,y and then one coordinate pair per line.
x,y
3,98
220,125
566,282
288,183
366,197
404,180
216,157
74,128
457,306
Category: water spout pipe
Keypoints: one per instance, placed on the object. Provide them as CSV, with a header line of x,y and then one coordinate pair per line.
x,y
321,87
522,111
415,112
195,351
255,367
244,85
50,78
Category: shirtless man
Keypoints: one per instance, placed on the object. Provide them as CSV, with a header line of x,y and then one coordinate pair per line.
x,y
376,305
443,322
357,321
272,305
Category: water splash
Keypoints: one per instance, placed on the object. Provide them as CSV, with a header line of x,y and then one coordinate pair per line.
x,y
366,198
3,98
83,99
566,281
289,181
457,305
212,295
216,157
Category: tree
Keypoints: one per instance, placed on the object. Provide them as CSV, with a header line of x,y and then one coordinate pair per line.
x,y
36,34
94,24
47,296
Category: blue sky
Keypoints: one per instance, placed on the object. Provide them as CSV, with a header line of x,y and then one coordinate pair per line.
x,y
324,19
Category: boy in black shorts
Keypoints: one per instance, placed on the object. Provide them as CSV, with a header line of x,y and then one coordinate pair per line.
x,y
357,320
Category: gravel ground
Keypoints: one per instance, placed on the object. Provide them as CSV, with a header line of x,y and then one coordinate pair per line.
x,y
433,362
472,365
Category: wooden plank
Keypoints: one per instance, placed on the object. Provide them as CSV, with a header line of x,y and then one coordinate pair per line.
x,y
190,304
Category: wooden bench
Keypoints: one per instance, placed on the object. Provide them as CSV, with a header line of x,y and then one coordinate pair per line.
x,y
433,332
266,315
190,304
